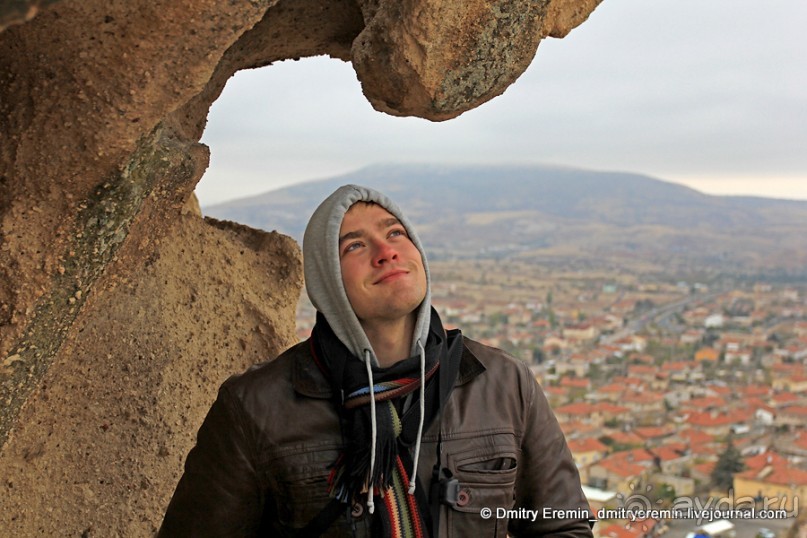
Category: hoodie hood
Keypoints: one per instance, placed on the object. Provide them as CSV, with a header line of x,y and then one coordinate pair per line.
x,y
323,272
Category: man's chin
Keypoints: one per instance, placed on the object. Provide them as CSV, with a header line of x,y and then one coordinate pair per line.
x,y
402,307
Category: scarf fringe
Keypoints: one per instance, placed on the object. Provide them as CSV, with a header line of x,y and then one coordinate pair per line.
x,y
349,472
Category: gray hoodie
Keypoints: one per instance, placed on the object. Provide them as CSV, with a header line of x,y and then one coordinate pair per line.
x,y
323,274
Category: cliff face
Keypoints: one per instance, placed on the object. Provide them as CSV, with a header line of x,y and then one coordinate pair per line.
x,y
121,309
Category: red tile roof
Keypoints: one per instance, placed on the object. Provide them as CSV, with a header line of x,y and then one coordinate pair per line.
x,y
760,461
612,388
707,402
707,353
784,398
611,409
706,420
694,436
629,381
708,450
587,444
669,453
642,397
634,455
621,468
795,410
752,391
652,432
576,383
718,389
679,366
783,476
626,438
801,440
577,408
793,369
642,369
751,405
642,526
578,428
705,468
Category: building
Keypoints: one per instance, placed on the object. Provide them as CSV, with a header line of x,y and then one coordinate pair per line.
x,y
581,333
615,473
585,413
586,452
792,383
654,435
774,485
714,423
707,354
793,415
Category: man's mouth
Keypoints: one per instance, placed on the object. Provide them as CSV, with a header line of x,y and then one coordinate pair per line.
x,y
391,275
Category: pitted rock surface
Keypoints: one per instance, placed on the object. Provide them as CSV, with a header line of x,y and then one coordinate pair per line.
x,y
121,310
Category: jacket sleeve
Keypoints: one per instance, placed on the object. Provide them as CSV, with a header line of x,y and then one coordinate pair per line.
x,y
548,480
219,493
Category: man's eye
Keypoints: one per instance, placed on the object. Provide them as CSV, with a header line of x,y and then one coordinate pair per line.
x,y
351,247
397,232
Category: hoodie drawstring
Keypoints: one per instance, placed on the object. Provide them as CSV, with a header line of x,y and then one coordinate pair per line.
x,y
413,476
373,432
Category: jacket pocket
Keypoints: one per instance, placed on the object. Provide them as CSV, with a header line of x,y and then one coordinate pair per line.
x,y
299,489
487,479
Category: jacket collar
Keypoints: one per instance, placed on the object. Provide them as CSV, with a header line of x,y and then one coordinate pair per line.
x,y
308,380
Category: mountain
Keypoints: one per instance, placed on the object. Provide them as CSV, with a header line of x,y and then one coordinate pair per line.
x,y
562,215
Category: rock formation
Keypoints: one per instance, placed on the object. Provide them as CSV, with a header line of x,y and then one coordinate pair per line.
x,y
121,309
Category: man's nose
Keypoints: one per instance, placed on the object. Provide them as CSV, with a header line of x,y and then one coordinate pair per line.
x,y
384,253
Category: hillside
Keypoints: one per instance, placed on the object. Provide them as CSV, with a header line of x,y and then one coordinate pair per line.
x,y
562,215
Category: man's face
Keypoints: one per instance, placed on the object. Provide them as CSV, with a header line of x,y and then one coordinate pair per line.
x,y
382,270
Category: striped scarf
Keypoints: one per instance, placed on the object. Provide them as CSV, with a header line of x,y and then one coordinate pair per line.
x,y
402,514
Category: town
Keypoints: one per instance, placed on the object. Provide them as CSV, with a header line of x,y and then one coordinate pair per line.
x,y
668,391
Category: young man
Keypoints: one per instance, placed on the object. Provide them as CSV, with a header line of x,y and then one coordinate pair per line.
x,y
382,423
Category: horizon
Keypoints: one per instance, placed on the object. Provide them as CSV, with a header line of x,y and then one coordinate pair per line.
x,y
694,184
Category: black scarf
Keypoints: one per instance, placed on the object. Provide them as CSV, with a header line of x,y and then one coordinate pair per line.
x,y
396,428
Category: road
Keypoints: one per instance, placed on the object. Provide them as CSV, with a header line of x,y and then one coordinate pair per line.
x,y
636,325
744,528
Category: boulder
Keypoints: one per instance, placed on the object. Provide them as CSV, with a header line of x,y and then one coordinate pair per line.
x,y
121,308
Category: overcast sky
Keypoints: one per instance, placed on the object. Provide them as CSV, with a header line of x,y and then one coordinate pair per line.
x,y
710,93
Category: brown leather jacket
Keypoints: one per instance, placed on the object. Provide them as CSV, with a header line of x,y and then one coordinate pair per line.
x,y
259,467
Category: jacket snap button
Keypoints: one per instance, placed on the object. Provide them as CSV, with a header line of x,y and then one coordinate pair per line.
x,y
357,510
463,497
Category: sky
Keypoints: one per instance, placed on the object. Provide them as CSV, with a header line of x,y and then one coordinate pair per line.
x,y
708,93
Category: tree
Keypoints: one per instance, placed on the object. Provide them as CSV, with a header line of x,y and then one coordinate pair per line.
x,y
538,356
729,463
664,495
